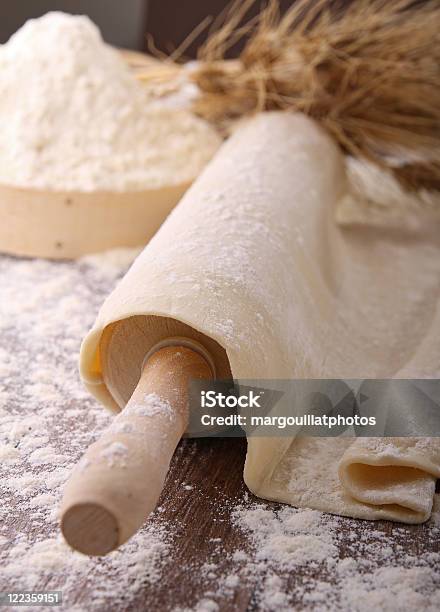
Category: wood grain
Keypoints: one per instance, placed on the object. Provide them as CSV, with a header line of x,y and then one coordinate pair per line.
x,y
203,487
214,467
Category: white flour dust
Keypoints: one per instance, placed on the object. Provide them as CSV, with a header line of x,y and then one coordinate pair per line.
x,y
73,116
273,557
46,422
297,560
152,406
115,454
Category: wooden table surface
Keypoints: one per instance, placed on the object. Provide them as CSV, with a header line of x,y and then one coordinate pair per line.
x,y
214,467
45,310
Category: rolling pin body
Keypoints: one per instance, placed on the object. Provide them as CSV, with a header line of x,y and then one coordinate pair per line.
x,y
119,480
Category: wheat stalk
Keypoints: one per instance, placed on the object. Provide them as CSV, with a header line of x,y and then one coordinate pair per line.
x,y
369,74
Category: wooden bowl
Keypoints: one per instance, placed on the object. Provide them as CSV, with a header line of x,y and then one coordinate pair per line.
x,y
64,225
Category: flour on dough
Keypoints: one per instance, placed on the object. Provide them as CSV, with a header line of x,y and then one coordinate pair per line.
x,y
290,294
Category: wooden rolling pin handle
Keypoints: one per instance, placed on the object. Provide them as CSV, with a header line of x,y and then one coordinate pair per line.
x,y
117,483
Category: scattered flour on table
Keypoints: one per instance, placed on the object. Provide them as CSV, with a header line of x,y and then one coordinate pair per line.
x,y
287,559
73,116
47,420
110,263
299,560
119,575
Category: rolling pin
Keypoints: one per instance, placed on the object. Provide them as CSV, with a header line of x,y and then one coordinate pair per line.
x,y
106,504
120,478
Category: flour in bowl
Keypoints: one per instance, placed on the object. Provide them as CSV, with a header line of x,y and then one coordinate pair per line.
x,y
73,117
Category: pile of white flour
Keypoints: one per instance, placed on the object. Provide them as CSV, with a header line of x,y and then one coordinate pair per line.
x,y
73,117
278,557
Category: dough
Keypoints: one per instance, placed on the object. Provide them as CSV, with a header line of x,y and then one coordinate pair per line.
x,y
253,259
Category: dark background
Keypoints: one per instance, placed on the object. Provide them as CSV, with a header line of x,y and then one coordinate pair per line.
x,y
124,23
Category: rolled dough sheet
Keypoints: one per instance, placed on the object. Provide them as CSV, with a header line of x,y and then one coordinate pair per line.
x,y
252,258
